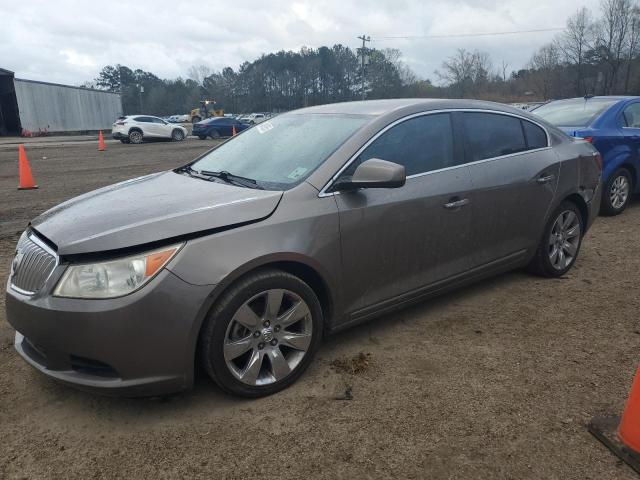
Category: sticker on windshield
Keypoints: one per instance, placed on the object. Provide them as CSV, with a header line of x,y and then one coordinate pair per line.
x,y
297,173
264,127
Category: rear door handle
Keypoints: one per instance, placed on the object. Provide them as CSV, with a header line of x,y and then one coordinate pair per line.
x,y
545,179
455,202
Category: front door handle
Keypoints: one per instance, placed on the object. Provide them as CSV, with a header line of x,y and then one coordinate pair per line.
x,y
545,179
456,202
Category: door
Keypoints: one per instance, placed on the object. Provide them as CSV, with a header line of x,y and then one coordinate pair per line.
x,y
160,127
395,241
514,175
631,134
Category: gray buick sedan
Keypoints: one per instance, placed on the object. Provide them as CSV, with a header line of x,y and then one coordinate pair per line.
x,y
311,222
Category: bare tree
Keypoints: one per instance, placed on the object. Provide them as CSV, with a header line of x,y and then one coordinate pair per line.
x,y
544,65
612,38
505,65
577,39
198,73
633,41
466,72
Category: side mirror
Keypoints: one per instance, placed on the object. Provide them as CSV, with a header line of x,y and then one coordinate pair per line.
x,y
374,173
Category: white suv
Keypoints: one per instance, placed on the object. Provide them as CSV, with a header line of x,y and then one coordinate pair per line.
x,y
136,128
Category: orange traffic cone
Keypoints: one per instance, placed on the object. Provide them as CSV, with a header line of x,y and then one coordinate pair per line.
x,y
101,146
622,437
26,179
234,130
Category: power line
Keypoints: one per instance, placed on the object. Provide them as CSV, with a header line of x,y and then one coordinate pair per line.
x,y
455,35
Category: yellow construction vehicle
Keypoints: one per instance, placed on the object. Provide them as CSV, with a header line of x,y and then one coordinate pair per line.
x,y
206,110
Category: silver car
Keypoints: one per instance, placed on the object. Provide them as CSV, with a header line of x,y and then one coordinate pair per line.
x,y
304,225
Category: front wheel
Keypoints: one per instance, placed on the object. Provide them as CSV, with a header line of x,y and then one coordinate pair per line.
x,y
202,137
616,193
560,244
262,334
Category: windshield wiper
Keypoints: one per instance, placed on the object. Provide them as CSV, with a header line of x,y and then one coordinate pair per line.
x,y
188,169
231,178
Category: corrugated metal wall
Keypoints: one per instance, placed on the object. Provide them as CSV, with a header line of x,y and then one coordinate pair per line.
x,y
60,108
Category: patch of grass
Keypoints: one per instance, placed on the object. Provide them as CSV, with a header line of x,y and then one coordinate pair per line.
x,y
356,365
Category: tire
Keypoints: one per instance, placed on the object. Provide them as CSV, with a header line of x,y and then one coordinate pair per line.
x,y
262,342
560,230
125,140
202,137
616,193
215,135
135,136
177,135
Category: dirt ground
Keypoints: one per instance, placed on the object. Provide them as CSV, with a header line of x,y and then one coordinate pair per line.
x,y
494,381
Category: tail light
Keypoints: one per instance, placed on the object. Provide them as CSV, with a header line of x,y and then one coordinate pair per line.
x,y
588,139
121,123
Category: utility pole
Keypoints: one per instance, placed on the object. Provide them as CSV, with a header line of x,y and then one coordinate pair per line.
x,y
363,57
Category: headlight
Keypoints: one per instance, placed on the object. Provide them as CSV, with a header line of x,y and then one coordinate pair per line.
x,y
114,278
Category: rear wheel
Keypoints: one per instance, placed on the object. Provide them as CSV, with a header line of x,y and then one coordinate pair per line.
x,y
125,140
262,334
617,192
202,137
560,244
177,135
135,136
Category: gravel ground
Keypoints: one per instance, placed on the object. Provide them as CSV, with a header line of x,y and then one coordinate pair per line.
x,y
493,381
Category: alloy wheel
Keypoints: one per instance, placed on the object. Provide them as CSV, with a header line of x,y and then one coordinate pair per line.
x,y
135,137
268,337
564,239
619,192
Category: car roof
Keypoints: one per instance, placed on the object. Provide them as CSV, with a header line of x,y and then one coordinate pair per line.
x,y
598,97
383,107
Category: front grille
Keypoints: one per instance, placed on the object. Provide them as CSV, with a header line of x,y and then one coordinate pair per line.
x,y
32,265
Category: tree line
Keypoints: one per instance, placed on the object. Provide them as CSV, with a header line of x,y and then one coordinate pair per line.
x,y
594,54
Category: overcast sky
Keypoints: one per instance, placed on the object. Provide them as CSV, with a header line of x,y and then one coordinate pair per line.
x,y
69,41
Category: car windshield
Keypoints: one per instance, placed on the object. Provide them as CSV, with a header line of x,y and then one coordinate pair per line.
x,y
282,152
577,112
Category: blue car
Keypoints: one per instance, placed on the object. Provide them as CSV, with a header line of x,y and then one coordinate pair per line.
x,y
612,125
218,127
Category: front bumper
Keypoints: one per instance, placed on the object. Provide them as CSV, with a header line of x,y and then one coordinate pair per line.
x,y
141,344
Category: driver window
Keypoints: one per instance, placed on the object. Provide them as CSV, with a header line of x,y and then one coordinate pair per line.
x,y
420,144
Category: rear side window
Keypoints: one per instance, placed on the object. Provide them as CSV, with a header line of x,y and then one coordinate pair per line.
x,y
143,119
493,135
631,116
536,136
420,144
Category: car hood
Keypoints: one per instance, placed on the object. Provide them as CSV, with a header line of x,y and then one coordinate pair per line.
x,y
148,209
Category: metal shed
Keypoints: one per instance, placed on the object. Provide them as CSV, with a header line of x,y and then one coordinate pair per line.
x,y
32,105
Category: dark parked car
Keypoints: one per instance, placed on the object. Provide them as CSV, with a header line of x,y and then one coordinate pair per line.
x,y
303,225
612,125
218,127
